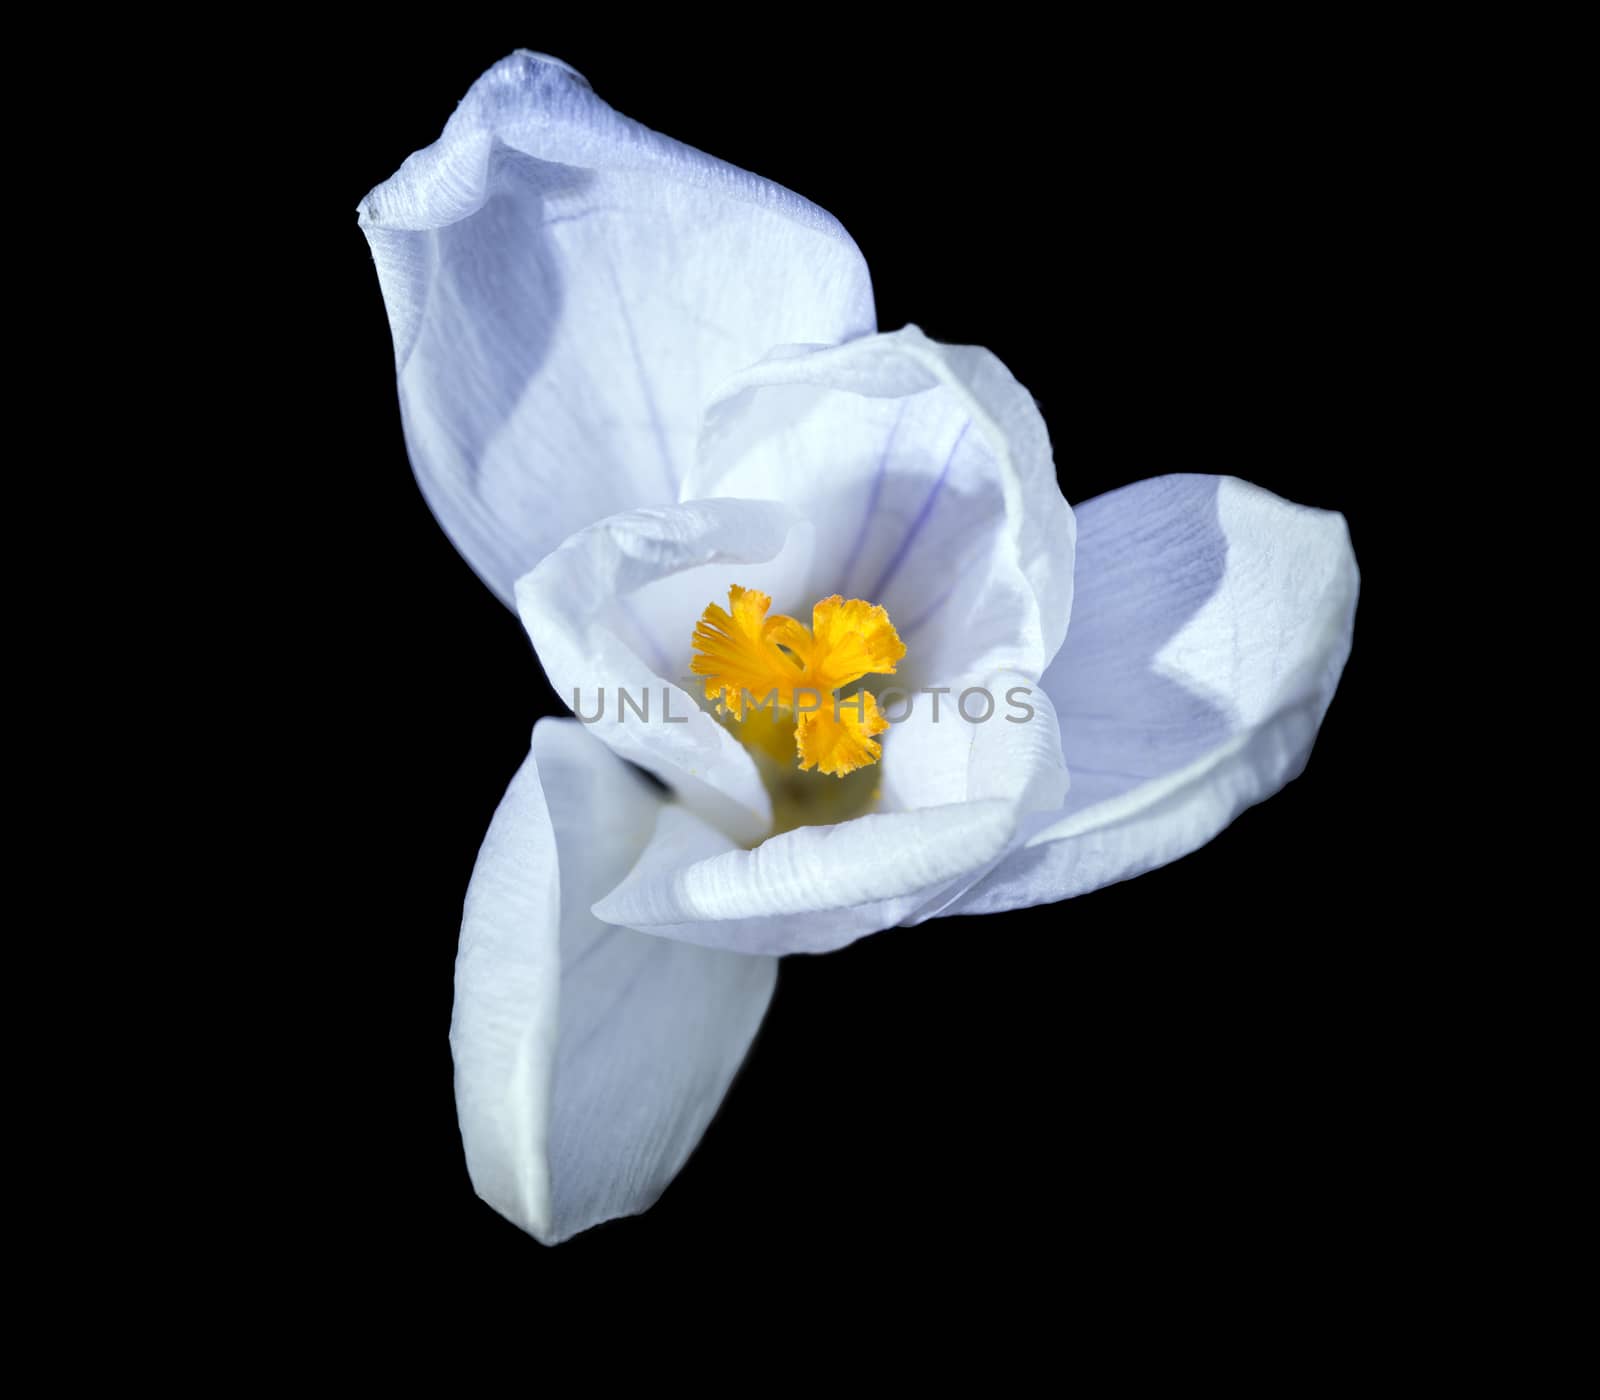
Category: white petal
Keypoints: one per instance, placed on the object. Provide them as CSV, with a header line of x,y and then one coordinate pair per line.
x,y
1211,624
615,608
809,890
566,288
565,1130
937,754
926,472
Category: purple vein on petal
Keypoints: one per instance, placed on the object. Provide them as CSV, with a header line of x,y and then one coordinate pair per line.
x,y
922,517
644,384
872,502
929,611
577,214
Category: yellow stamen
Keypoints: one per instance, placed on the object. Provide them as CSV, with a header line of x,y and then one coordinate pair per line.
x,y
780,667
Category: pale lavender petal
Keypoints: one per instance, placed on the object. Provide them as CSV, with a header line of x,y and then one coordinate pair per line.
x,y
1211,624
566,290
589,1058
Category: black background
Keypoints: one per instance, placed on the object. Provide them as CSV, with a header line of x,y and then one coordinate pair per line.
x,y
1191,259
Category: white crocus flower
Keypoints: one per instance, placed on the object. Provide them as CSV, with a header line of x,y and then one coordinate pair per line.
x,y
632,377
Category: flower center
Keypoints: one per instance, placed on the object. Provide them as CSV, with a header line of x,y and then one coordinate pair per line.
x,y
780,681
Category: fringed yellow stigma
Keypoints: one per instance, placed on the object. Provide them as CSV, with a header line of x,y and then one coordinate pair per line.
x,y
841,745
778,667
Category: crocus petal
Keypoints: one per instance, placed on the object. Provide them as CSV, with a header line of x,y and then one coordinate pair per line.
x,y
565,1128
992,735
566,288
926,471
615,607
1211,624
809,890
